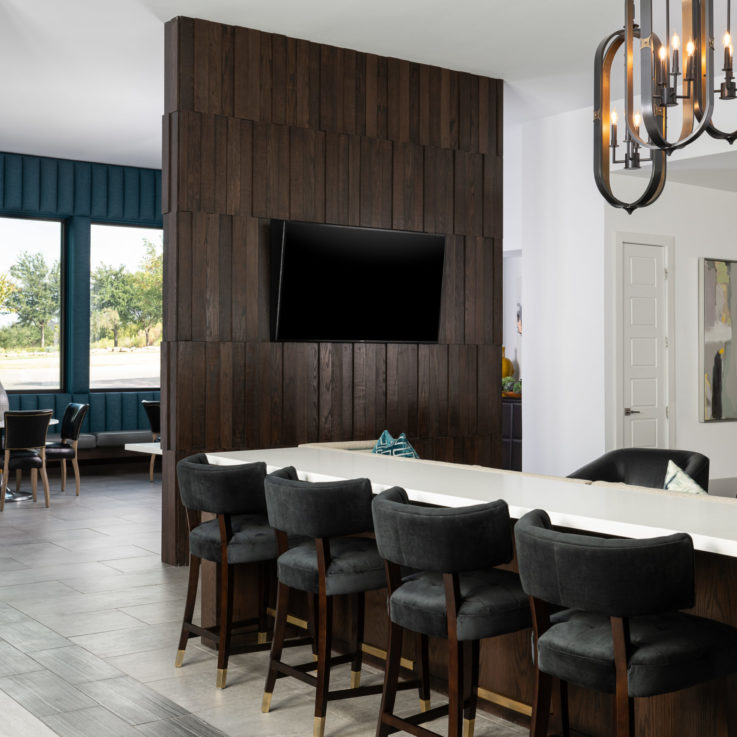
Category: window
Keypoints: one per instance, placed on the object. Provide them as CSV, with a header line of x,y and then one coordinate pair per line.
x,y
30,304
125,307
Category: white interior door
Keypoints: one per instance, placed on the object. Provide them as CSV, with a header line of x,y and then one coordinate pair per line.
x,y
645,346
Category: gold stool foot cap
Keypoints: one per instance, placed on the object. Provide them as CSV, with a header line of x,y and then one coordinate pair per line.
x,y
424,704
266,703
318,729
222,677
468,725
180,659
261,639
355,678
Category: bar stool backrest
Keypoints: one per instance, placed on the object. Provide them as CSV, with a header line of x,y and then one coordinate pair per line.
x,y
26,428
443,540
319,509
221,489
619,578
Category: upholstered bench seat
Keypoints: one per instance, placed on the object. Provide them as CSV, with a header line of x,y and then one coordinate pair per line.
x,y
493,603
118,438
87,441
669,651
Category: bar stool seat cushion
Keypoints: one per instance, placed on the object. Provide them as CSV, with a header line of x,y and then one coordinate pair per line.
x,y
493,603
24,459
253,540
355,566
669,651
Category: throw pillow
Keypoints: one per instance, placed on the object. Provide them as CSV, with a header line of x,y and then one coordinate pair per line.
x,y
384,444
678,480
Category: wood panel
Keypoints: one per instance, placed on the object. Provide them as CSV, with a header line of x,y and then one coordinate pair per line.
x,y
262,126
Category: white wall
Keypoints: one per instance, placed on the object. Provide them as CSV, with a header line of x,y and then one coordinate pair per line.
x,y
701,221
562,230
512,296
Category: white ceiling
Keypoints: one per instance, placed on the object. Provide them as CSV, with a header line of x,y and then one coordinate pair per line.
x,y
83,79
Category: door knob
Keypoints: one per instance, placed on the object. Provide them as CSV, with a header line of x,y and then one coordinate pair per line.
x,y
628,411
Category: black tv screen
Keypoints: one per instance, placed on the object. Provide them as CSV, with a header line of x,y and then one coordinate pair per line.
x,y
345,284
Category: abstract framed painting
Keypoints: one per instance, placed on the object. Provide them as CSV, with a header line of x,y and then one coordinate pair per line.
x,y
717,340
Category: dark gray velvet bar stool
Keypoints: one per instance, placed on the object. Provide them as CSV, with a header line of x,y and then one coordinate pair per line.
x,y
334,561
620,630
239,534
457,594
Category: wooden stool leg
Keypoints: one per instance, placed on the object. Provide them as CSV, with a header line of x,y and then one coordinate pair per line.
x,y
226,620
263,600
559,721
391,677
423,671
541,704
455,687
277,643
194,578
324,649
63,474
470,686
358,624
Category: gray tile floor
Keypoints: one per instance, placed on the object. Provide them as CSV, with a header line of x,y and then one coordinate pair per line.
x,y
89,622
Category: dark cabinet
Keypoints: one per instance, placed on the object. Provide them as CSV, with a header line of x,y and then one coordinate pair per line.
x,y
511,434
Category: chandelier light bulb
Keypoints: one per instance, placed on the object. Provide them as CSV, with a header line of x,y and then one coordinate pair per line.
x,y
675,41
614,116
727,40
662,53
636,119
690,48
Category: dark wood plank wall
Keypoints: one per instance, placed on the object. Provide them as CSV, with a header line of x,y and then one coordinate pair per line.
x,y
261,126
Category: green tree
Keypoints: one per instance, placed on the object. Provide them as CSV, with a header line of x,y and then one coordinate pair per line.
x,y
111,298
146,305
35,298
6,289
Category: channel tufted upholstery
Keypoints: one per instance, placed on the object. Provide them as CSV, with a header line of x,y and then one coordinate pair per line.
x,y
457,593
240,533
620,630
644,467
337,559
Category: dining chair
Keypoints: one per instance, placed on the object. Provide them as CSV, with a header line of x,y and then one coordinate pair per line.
x,y
152,408
66,448
25,448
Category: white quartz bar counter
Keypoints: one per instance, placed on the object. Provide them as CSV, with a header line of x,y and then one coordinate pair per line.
x,y
614,509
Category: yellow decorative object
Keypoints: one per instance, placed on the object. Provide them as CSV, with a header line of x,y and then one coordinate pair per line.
x,y
507,365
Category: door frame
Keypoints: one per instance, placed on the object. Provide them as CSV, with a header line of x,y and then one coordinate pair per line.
x,y
614,401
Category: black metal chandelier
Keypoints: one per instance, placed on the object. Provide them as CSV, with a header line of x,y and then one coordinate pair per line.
x,y
666,81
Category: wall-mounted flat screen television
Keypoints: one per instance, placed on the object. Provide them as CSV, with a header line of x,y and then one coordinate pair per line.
x,y
346,284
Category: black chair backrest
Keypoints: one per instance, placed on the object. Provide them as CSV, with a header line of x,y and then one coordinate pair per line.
x,y
152,408
208,487
26,428
71,423
439,539
645,466
619,578
319,509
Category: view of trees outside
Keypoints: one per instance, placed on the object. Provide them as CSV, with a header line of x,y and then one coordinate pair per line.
x,y
30,287
126,269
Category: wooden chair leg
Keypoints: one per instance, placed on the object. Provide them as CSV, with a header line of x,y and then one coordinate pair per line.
x,y
63,474
151,467
359,606
324,649
541,704
470,686
277,643
194,578
75,466
45,482
226,620
455,687
391,677
624,716
423,671
312,618
34,482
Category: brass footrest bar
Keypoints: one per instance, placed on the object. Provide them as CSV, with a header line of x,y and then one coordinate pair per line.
x,y
377,652
349,693
291,619
505,701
